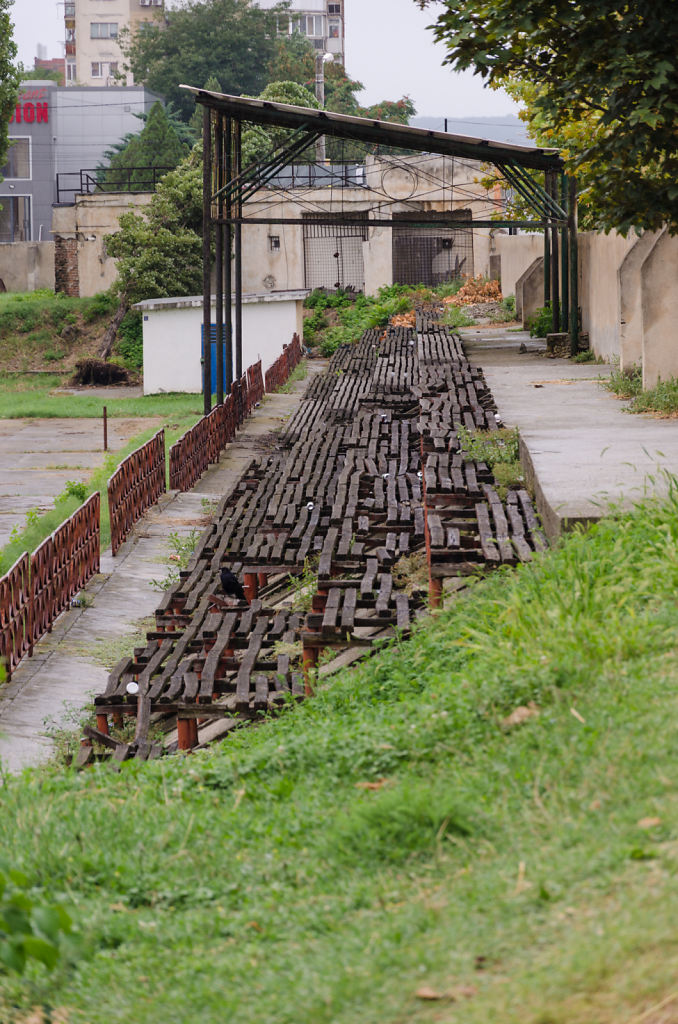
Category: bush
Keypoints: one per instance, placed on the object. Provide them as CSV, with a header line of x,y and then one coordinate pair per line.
x,y
540,323
103,304
130,343
625,383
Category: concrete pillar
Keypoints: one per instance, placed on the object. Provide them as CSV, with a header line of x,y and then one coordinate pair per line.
x,y
659,283
630,300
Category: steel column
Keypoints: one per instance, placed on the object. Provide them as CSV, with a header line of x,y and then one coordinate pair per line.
x,y
237,139
207,258
573,249
219,258
555,268
564,262
228,270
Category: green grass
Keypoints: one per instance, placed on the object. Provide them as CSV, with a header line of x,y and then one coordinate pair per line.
x,y
528,872
299,373
357,314
624,383
662,399
31,396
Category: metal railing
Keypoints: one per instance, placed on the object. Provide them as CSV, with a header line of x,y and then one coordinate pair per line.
x,y
40,586
136,484
89,180
190,456
278,374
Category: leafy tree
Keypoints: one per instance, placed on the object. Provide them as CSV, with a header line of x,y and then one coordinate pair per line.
x,y
9,77
159,251
605,78
156,145
41,74
229,39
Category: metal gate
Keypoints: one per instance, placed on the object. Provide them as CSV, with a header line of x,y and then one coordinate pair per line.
x,y
333,254
432,255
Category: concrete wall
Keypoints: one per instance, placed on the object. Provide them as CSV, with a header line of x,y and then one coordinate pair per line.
x,y
25,266
629,287
172,337
517,253
659,289
600,257
529,290
88,221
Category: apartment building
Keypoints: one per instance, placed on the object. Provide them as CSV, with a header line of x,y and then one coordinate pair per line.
x,y
54,134
93,27
321,21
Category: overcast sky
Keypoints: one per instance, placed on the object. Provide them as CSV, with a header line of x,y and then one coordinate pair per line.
x,y
388,49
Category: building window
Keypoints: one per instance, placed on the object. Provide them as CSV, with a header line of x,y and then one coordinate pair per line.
x,y
15,219
315,25
274,243
18,159
97,70
334,30
70,72
334,8
69,10
103,30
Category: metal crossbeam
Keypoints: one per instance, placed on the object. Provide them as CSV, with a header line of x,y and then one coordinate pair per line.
x,y
257,174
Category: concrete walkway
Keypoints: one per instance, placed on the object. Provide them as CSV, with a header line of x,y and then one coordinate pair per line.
x,y
37,457
580,449
72,663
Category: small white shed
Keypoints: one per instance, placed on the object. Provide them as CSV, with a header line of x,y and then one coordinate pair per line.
x,y
173,336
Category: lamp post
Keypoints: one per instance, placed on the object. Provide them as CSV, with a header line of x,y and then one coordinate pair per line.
x,y
320,60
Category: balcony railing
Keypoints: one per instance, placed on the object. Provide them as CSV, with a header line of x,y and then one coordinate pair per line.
x,y
91,180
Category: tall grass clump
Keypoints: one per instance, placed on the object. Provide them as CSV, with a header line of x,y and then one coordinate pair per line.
x,y
624,383
400,847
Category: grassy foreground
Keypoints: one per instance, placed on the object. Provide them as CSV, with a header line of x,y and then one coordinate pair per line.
x,y
399,848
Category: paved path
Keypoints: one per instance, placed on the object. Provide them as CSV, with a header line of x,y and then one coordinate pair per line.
x,y
582,451
58,680
37,457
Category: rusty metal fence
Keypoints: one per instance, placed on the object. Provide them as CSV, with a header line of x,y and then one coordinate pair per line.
x,y
40,586
15,613
190,456
136,484
278,374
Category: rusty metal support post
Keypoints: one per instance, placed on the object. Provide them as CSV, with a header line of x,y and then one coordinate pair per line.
x,y
573,250
237,140
228,245
207,259
435,592
309,661
250,586
263,579
219,259
102,724
184,733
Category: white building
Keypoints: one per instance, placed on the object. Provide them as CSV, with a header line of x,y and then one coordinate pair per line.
x,y
321,21
93,27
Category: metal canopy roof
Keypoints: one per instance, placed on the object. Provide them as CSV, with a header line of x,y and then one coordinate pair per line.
x,y
343,126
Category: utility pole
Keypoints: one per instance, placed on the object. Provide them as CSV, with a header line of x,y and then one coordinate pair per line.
x,y
320,59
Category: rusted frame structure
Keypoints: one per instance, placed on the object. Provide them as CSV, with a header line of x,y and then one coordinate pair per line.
x,y
227,186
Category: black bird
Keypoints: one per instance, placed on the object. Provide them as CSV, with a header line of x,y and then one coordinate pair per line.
x,y
231,585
